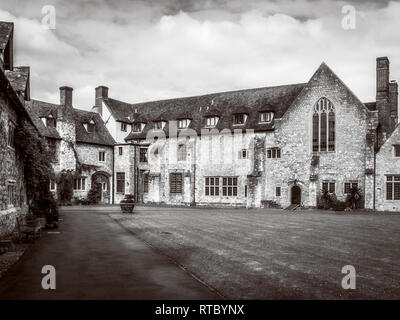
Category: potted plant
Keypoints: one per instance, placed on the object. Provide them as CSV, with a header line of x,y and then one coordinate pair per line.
x,y
128,203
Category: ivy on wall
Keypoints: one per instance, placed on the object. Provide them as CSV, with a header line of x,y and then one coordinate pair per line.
x,y
32,151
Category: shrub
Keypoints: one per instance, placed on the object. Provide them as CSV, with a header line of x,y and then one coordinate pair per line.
x,y
94,195
354,199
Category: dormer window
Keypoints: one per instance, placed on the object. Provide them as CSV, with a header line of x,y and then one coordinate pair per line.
x,y
239,118
89,126
51,122
159,125
183,123
138,126
266,117
211,122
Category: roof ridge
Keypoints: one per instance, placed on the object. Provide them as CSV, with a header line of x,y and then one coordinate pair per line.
x,y
221,92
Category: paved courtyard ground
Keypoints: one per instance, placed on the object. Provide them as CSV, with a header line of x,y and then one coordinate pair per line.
x,y
273,254
95,258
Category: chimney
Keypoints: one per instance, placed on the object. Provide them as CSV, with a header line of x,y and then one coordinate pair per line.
x,y
101,94
394,105
382,97
66,96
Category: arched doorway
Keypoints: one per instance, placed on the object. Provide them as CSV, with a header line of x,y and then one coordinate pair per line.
x,y
102,179
296,195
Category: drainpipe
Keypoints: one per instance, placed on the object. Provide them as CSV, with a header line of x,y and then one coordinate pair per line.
x,y
374,183
113,174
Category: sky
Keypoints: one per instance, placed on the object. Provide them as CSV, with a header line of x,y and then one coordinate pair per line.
x,y
158,49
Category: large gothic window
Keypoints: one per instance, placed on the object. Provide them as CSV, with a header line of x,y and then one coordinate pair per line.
x,y
323,126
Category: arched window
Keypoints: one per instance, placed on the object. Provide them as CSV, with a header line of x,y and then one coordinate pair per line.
x,y
324,126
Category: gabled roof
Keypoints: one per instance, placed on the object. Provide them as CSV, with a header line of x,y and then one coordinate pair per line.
x,y
19,78
223,104
99,136
5,32
38,109
121,111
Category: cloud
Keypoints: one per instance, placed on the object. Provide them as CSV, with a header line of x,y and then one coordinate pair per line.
x,y
147,50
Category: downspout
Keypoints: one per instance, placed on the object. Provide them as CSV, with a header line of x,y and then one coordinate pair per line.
x,y
194,170
374,179
113,175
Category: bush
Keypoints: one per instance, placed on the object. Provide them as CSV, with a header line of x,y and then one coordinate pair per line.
x,y
329,201
94,195
354,199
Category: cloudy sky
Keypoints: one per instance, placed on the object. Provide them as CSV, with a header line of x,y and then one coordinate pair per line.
x,y
155,49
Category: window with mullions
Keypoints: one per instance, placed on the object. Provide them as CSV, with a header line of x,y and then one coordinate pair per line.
x,y
273,153
392,187
323,126
229,187
348,186
328,186
212,186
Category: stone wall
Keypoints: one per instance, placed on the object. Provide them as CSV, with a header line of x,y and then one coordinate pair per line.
x,y
88,155
387,164
293,135
124,163
11,172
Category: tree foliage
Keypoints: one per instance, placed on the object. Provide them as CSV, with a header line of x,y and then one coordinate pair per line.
x,y
33,152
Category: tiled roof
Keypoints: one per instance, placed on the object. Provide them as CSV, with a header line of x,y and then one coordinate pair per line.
x,y
99,136
5,31
18,78
224,104
121,111
39,109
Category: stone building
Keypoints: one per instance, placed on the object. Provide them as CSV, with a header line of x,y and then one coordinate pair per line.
x,y
81,144
279,145
14,89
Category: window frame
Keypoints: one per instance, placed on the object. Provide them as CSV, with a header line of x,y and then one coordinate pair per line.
x,y
182,152
269,115
348,186
212,186
120,182
175,183
185,121
124,127
229,186
393,186
143,155
396,150
274,153
236,117
329,185
80,184
120,151
323,127
210,120
102,156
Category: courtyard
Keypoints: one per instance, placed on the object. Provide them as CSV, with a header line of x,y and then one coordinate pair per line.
x,y
275,254
209,253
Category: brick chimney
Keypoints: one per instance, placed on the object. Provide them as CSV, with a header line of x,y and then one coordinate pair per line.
x,y
66,96
101,94
394,105
382,97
